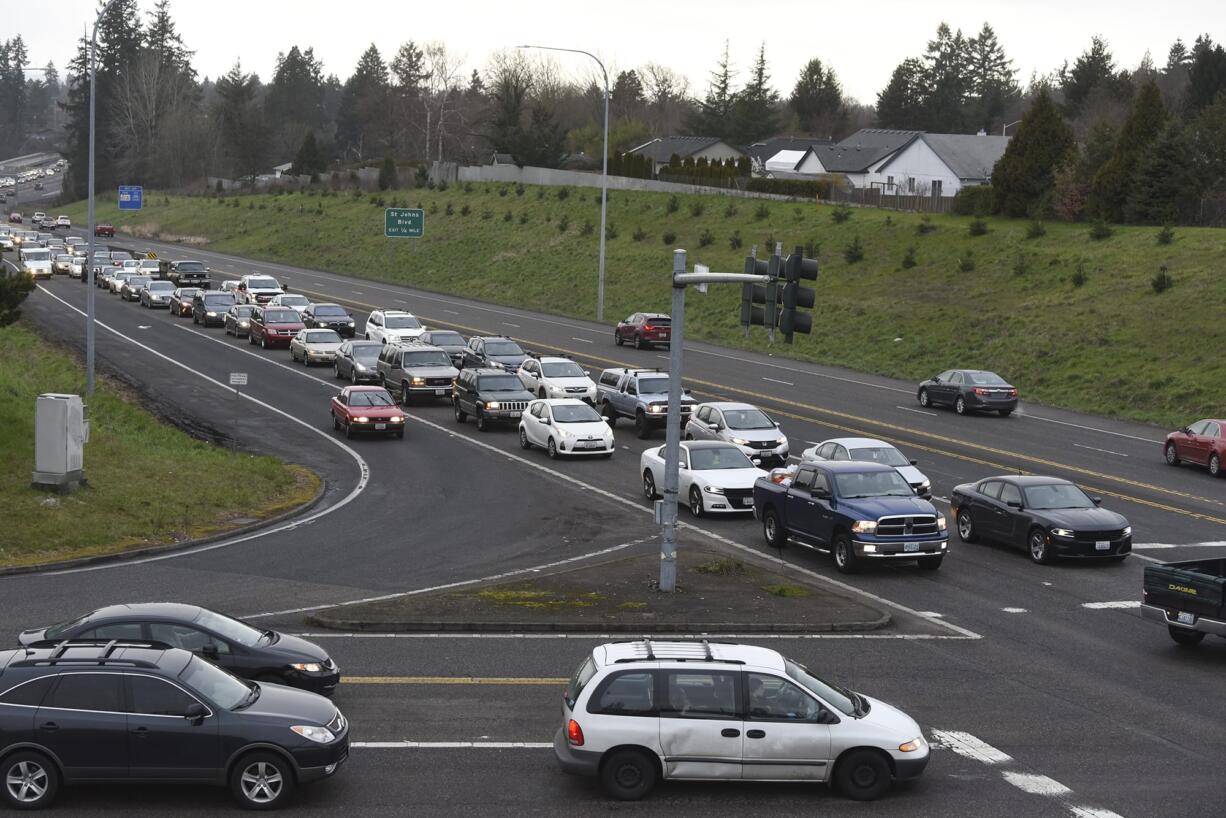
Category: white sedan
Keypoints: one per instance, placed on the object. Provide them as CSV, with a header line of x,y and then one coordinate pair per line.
x,y
294,301
871,450
713,476
315,346
565,426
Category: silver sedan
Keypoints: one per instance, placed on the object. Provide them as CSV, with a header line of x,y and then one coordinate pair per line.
x,y
315,346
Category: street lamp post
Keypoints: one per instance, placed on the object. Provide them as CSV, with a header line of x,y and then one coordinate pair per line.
x,y
604,171
1003,128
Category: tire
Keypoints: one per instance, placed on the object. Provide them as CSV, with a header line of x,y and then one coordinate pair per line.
x,y
641,430
772,529
353,376
1004,413
524,442
1184,636
618,339
483,425
930,563
966,527
293,356
336,370
628,775
552,448
638,342
844,554
336,423
250,339
263,342
862,775
609,415
1215,465
194,321
540,393
1037,546
37,781
262,781
924,400
1172,455
649,486
348,430
696,506
406,397
460,415
960,405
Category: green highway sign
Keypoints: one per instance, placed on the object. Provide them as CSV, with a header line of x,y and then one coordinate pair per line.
x,y
404,223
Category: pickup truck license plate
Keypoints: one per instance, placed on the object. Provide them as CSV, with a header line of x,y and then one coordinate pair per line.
x,y
1185,618
438,393
1102,545
910,546
380,426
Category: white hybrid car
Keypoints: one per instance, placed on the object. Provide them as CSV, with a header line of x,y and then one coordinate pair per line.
x,y
557,378
713,477
565,426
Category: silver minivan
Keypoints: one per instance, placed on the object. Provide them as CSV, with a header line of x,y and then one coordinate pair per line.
x,y
638,711
414,370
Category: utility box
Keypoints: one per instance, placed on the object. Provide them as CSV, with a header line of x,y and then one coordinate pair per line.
x,y
60,434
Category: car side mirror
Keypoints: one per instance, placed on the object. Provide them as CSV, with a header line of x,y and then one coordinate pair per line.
x,y
1098,501
195,713
824,716
913,462
1187,430
210,651
820,493
1014,504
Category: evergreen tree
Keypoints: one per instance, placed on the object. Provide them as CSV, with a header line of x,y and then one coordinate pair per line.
x,y
1024,176
817,99
626,96
295,94
755,111
542,143
241,123
901,103
1113,181
992,81
946,66
510,86
1177,57
409,75
13,96
1207,143
162,38
713,115
1095,68
388,179
1076,174
363,125
1164,180
309,161
1206,73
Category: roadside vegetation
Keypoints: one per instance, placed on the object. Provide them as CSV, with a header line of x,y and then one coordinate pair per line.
x,y
149,483
1070,315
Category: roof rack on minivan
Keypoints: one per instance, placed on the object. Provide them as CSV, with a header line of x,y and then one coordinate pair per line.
x,y
674,650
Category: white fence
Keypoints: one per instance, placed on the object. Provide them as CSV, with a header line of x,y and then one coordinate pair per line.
x,y
576,178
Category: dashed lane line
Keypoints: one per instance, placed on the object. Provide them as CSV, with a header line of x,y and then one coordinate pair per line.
x,y
527,681
452,745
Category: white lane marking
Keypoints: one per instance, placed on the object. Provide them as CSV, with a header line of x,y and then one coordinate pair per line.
x,y
452,745
400,301
665,357
638,506
931,614
1092,812
1014,610
356,292
363,468
509,324
916,411
1096,449
968,746
1117,604
797,369
1089,428
904,637
453,312
144,326
583,340
1035,784
1155,546
775,380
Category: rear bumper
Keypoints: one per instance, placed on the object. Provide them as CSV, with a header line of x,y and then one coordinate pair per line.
x,y
1202,624
575,762
973,401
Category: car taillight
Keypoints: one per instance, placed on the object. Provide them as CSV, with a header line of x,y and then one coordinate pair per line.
x,y
981,392
574,733
1013,393
648,327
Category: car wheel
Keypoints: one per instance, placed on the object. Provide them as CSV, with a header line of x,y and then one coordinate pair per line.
x,y
482,423
638,341
540,393
400,434
696,507
31,781
610,416
261,781
406,397
353,376
336,423
862,775
641,429
930,563
689,436
1036,543
966,527
960,405
649,486
618,339
844,554
1215,465
194,320
1004,413
772,529
349,430
924,400
263,342
250,339
1184,636
460,415
552,449
524,442
1172,455
628,775
336,370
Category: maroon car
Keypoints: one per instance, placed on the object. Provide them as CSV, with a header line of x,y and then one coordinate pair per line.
x,y
274,326
1201,443
367,409
105,230
15,218
644,330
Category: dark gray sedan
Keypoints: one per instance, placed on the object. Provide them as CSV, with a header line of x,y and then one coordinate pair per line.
x,y
357,361
969,390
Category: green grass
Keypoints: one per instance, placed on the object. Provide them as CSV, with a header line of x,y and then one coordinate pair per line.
x,y
1111,346
149,482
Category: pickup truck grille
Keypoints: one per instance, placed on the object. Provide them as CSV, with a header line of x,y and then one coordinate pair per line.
x,y
923,524
438,381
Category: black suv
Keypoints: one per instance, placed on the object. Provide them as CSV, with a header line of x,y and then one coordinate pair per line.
x,y
246,651
489,395
189,274
494,352
209,307
143,711
329,316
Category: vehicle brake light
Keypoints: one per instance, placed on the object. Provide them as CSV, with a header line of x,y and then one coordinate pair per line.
x,y
574,733
1013,393
648,327
981,392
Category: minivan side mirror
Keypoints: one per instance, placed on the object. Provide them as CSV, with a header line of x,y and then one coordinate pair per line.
x,y
195,713
1096,500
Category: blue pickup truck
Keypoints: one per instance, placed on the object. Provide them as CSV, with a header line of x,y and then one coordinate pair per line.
x,y
859,512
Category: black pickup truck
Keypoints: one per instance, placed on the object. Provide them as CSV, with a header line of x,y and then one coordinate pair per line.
x,y
1188,597
188,274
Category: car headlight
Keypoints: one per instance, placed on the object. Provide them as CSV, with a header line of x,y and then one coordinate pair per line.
x,y
1127,531
927,484
362,420
211,314
914,744
864,526
565,433
358,367
656,408
941,524
419,381
321,735
396,419
1061,532
492,404
740,441
713,489
308,667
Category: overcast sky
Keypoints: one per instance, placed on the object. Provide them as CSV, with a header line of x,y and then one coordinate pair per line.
x,y
862,40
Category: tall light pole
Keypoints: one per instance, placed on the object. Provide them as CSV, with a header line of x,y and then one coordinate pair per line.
x,y
604,171
1010,125
89,257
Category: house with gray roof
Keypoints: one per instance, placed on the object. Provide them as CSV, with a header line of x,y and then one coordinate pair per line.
x,y
760,152
662,148
940,164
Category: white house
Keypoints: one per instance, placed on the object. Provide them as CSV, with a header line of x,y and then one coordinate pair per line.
x,y
939,164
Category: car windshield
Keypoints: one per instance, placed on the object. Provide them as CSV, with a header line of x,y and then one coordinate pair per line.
x,y
242,310
63,257
831,694
501,383
215,684
56,631
502,348
887,455
721,457
747,419
231,628
401,322
330,309
429,357
218,300
577,413
366,352
280,317
138,281
852,485
563,369
447,339
1057,495
653,385
38,254
263,284
323,336
370,399
161,286
189,267
188,292
293,300
985,379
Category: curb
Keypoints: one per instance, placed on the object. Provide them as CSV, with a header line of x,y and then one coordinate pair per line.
x,y
366,626
167,548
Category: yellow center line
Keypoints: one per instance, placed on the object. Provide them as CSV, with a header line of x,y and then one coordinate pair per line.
x,y
450,680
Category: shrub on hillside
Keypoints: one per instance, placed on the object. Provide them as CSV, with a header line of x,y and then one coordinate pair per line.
x,y
519,188
468,187
563,223
854,252
563,194
840,215
966,264
610,231
706,238
639,234
506,217
487,214
465,210
588,228
925,226
734,241
908,258
697,209
763,211
1101,230
1162,281
668,237
730,210
449,210
523,217
812,248
977,227
1166,235
974,201
672,205
1079,277
1035,229
1021,264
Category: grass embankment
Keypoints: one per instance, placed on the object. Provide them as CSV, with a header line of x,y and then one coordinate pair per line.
x,y
149,483
1101,342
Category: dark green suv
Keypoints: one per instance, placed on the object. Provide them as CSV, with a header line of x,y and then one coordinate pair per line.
x,y
490,396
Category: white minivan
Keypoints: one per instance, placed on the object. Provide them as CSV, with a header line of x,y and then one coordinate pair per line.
x,y
635,712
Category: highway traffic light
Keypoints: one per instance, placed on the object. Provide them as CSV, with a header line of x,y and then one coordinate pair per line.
x,y
765,294
797,268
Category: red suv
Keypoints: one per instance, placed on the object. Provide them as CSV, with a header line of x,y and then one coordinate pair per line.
x,y
274,326
1201,443
644,330
105,230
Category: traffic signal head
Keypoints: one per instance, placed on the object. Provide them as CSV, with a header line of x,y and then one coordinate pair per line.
x,y
799,268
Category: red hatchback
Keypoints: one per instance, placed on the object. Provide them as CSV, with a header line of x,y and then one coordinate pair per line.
x,y
367,409
644,330
105,230
274,326
1201,443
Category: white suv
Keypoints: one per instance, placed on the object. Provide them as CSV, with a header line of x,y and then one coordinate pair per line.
x,y
635,712
390,326
258,289
557,378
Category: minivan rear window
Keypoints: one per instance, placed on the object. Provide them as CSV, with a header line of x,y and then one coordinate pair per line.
x,y
583,675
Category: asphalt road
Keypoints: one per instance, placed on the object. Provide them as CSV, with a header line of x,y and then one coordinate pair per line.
x,y
1079,708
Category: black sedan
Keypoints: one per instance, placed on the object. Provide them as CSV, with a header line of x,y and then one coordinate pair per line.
x,y
1047,516
246,651
329,316
358,361
969,390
